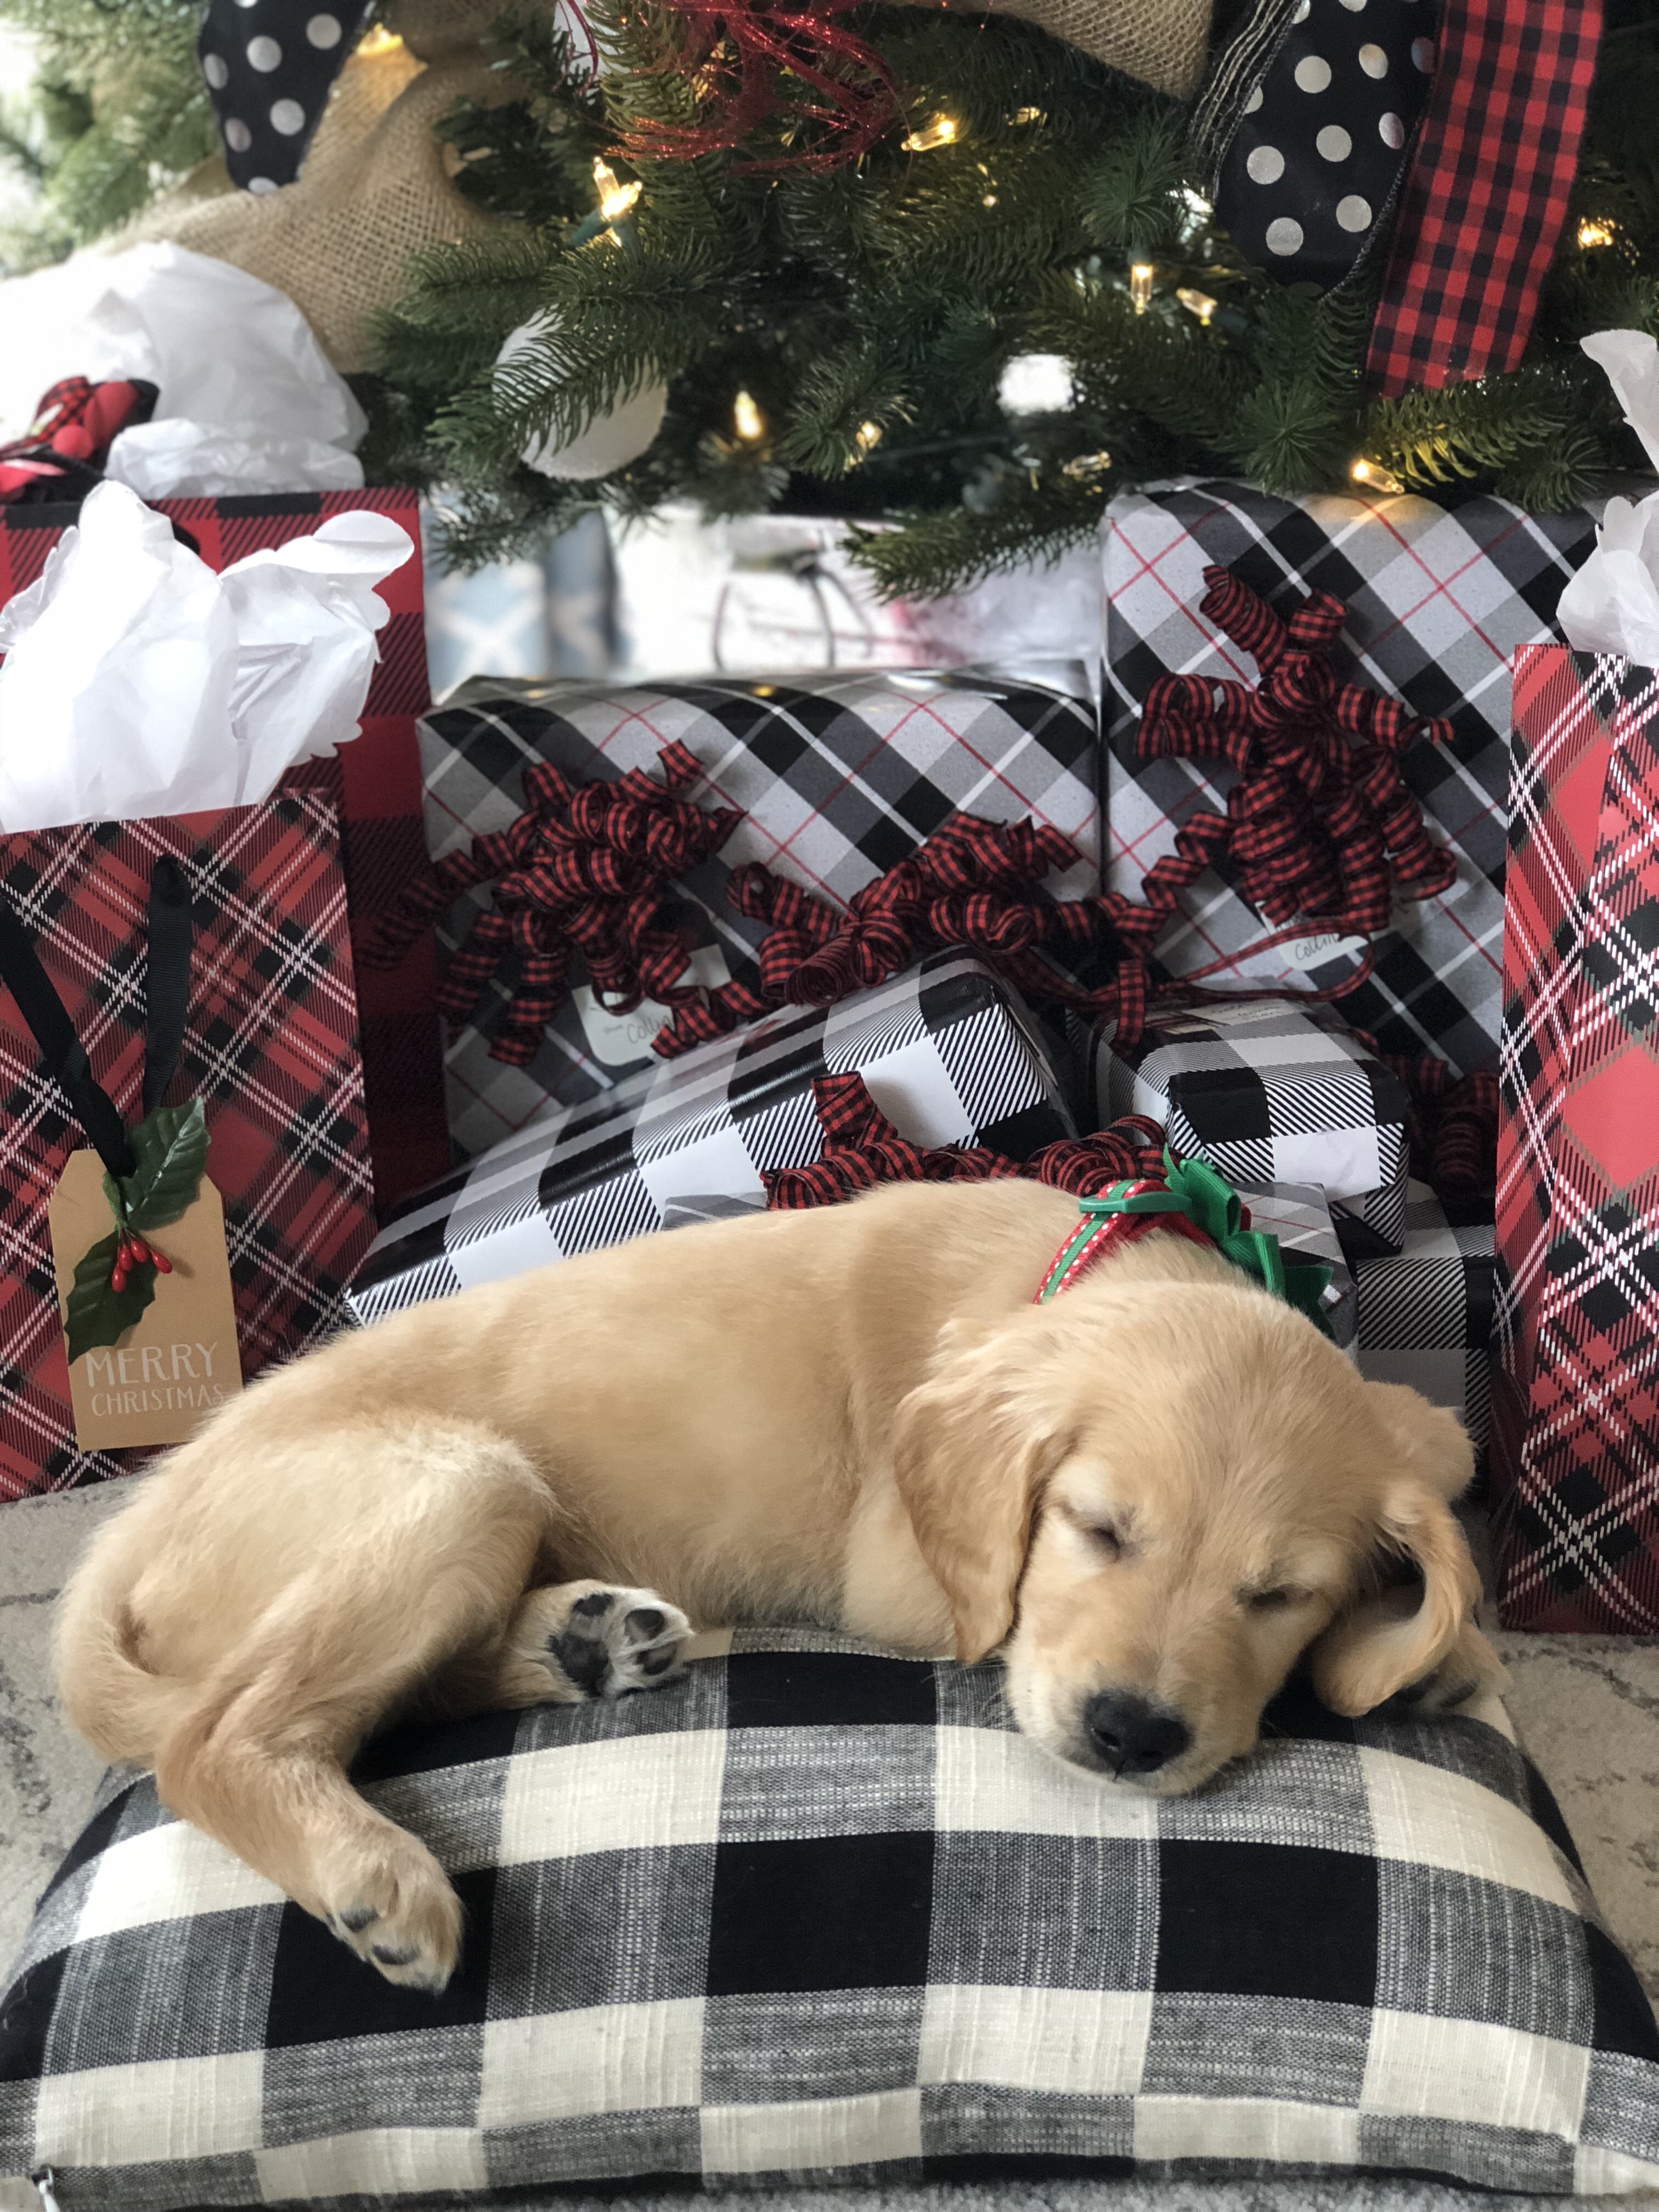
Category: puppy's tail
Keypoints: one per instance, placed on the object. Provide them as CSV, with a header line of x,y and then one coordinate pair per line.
x,y
112,1698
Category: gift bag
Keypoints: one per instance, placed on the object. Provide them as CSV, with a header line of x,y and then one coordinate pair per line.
x,y
269,1043
1436,599
374,781
836,779
1576,1411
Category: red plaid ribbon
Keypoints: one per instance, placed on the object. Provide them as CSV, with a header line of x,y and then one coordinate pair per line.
x,y
972,884
64,449
584,869
1487,190
1320,830
861,1149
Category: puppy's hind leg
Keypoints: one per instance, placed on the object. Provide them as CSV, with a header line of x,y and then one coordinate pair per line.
x,y
453,1523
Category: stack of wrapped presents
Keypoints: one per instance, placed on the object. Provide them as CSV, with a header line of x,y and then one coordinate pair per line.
x,y
1285,864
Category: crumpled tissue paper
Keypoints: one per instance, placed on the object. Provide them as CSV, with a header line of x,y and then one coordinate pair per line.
x,y
136,682
1611,604
247,400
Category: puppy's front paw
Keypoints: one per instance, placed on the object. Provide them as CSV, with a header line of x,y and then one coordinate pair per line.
x,y
388,1899
585,1640
1468,1671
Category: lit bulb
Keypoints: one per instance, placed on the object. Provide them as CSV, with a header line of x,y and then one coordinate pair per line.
x,y
1375,476
747,420
615,198
1592,233
1026,115
941,131
379,41
868,439
1196,303
1140,286
988,199
1086,467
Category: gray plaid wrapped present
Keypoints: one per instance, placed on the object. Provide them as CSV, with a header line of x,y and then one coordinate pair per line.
x,y
817,1914
1299,1215
1437,601
950,1052
840,777
1426,1313
1269,1093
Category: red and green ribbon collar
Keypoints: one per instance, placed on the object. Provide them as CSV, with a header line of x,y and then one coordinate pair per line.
x,y
1193,1200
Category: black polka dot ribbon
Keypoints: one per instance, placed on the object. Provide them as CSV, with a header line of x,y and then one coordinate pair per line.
x,y
1306,127
269,65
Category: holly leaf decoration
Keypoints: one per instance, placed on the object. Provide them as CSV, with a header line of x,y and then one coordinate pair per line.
x,y
96,1314
170,1149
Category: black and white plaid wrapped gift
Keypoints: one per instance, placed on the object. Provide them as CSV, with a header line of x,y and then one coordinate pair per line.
x,y
1437,601
817,1914
1425,1314
950,1052
1269,1092
839,777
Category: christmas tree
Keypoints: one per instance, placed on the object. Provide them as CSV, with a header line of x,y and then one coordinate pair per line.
x,y
940,270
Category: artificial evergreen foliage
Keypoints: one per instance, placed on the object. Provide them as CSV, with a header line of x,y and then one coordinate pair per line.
x,y
869,311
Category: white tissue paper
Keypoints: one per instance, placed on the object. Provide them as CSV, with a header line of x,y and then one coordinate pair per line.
x,y
247,400
136,682
1611,604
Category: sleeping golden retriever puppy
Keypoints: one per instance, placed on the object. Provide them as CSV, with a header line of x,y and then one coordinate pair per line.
x,y
1152,1495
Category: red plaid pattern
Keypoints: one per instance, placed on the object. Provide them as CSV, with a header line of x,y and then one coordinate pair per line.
x,y
1576,1401
1487,194
376,781
862,1148
270,1043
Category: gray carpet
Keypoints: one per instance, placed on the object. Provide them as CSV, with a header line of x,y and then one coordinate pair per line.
x,y
1587,1709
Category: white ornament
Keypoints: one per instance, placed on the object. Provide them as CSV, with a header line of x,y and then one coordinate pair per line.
x,y
1037,384
608,442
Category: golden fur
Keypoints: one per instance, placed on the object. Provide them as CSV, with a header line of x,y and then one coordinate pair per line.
x,y
1165,1488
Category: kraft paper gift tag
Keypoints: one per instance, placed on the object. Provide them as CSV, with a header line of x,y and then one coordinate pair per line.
x,y
179,1359
137,1230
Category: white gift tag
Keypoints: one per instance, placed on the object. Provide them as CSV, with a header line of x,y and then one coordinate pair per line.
x,y
1319,951
623,1040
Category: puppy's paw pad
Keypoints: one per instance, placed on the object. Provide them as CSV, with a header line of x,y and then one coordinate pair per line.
x,y
398,1911
612,1641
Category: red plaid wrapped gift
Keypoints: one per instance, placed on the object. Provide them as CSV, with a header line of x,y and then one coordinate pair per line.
x,y
270,1045
1437,601
375,781
1576,1394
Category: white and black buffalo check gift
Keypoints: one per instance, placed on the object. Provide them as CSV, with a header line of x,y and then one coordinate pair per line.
x,y
1437,601
839,778
1426,1313
1270,1093
816,1913
949,1051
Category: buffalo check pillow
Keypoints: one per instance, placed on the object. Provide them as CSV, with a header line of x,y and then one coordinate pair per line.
x,y
816,1913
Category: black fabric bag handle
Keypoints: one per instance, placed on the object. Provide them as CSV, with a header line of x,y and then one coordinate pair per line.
x,y
168,922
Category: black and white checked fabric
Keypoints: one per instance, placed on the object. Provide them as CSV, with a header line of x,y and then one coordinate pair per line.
x,y
816,1913
1437,601
840,778
1425,1314
951,1055
1270,1093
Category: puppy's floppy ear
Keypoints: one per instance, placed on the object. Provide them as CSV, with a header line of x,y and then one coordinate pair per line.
x,y
1373,1652
970,1450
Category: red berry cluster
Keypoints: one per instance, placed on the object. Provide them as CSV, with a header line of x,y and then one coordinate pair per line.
x,y
133,1252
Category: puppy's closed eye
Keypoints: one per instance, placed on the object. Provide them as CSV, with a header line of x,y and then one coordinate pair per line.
x,y
1280,1599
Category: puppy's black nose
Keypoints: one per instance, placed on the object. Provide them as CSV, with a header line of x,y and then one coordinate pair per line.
x,y
1132,1735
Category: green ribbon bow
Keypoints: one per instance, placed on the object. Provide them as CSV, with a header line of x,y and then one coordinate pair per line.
x,y
1210,1203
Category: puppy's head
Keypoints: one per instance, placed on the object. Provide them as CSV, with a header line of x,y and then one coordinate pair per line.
x,y
1170,1493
